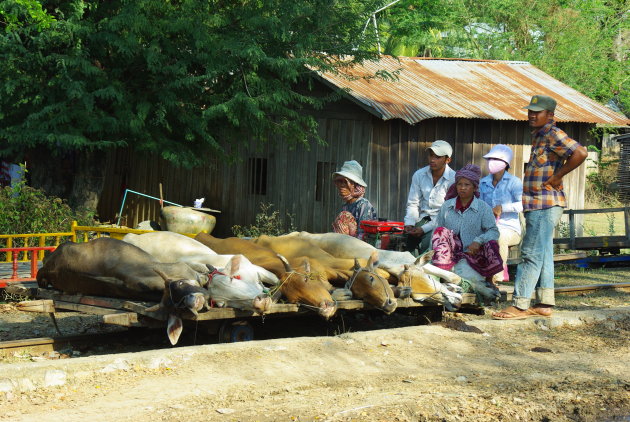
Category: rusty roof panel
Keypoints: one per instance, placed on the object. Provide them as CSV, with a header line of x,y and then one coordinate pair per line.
x,y
487,89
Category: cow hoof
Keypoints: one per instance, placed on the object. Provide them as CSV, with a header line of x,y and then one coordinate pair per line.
x,y
402,292
341,294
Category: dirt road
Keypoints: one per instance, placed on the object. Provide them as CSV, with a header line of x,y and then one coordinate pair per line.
x,y
504,371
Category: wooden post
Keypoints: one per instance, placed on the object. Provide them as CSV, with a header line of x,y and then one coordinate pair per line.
x,y
161,197
626,217
571,229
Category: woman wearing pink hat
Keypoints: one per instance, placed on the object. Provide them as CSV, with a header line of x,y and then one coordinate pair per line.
x,y
504,193
356,208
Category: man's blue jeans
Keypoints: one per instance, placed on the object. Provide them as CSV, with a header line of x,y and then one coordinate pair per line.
x,y
536,270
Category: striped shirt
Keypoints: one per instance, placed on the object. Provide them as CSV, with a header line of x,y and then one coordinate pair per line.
x,y
475,224
550,148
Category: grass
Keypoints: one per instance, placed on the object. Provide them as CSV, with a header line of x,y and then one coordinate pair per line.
x,y
608,224
571,276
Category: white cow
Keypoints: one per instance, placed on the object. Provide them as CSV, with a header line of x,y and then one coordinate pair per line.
x,y
168,246
338,245
228,289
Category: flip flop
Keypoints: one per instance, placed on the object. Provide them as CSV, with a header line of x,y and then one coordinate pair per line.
x,y
511,315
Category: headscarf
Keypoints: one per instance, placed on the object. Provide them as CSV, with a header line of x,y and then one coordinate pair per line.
x,y
356,190
470,172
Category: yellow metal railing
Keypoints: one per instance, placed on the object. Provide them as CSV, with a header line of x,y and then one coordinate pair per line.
x,y
76,234
30,240
115,232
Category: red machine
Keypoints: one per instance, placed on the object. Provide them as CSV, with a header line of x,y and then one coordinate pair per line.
x,y
375,226
381,233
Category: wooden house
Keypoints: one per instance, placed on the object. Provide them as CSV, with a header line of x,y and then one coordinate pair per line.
x,y
386,125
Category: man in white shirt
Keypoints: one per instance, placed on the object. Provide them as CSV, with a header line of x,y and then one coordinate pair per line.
x,y
426,196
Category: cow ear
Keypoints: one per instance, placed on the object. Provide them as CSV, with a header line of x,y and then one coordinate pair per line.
x,y
373,260
174,328
307,265
425,258
357,266
234,265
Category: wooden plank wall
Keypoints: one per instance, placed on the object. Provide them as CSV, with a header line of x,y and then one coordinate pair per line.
x,y
292,179
390,153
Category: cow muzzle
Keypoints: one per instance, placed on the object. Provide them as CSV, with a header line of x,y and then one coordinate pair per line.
x,y
327,309
262,304
389,306
194,302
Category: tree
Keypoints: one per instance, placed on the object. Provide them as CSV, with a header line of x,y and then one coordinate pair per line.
x,y
182,77
582,43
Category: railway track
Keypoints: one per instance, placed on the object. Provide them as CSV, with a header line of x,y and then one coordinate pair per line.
x,y
65,346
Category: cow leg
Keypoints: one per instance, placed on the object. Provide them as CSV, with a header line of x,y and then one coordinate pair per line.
x,y
341,294
54,320
449,276
402,292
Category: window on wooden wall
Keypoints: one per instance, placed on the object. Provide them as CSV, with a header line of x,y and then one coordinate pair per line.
x,y
323,188
257,174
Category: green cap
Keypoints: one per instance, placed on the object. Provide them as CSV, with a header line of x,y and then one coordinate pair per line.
x,y
541,102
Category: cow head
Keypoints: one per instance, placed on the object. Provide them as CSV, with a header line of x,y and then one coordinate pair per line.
x,y
228,289
306,287
368,285
427,287
179,296
423,286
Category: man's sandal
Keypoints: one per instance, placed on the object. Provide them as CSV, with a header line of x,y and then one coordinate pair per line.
x,y
514,314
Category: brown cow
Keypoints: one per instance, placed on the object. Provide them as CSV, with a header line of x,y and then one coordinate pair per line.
x,y
366,284
303,286
338,270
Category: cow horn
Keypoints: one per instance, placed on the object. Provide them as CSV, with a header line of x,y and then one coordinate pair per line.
x,y
287,266
161,274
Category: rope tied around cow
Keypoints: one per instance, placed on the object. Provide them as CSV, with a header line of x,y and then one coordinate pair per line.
x,y
357,271
275,291
217,272
468,287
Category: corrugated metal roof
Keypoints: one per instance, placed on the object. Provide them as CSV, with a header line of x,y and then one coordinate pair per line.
x,y
484,89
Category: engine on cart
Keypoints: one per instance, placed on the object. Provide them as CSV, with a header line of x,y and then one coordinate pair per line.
x,y
384,234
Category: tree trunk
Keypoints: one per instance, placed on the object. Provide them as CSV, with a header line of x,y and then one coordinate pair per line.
x,y
77,176
89,181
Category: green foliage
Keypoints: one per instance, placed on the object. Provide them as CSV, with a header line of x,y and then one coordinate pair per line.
x,y
267,222
16,13
600,185
26,210
178,78
578,42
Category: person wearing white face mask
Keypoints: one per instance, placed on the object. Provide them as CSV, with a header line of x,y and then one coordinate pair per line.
x,y
503,192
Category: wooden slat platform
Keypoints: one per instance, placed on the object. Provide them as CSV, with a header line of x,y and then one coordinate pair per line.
x,y
130,313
